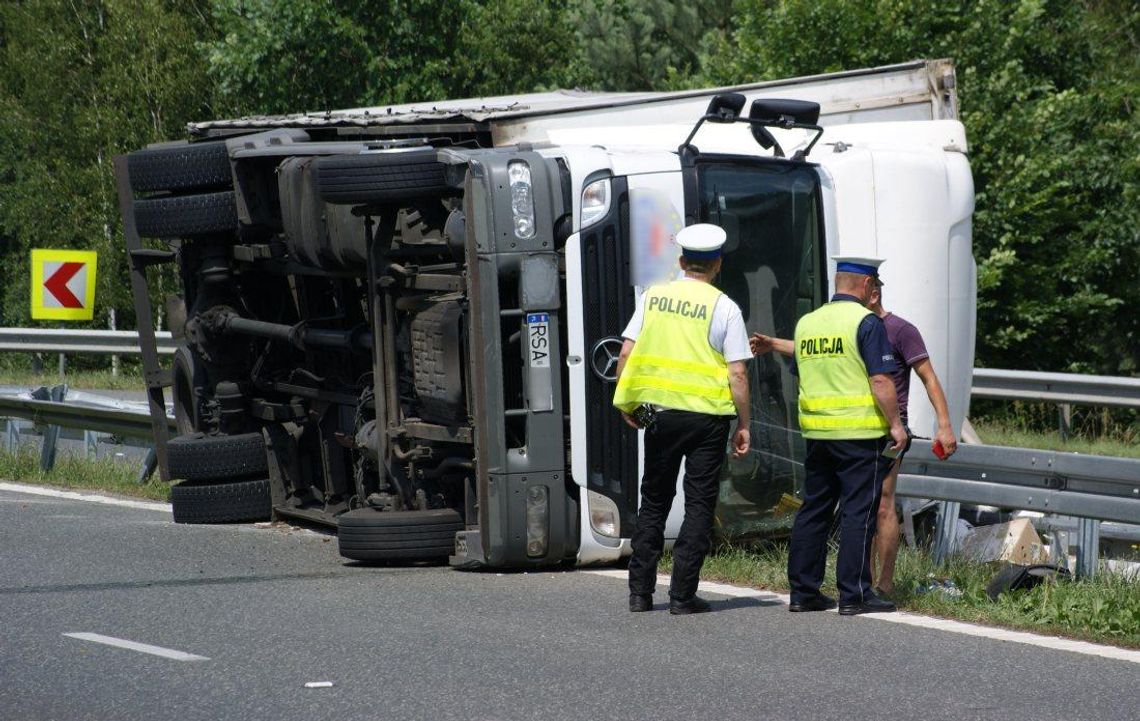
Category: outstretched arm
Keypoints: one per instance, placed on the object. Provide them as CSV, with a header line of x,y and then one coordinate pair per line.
x,y
760,344
945,434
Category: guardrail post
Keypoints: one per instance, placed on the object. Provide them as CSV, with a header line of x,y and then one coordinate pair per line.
x,y
62,366
91,443
947,527
149,464
51,433
1058,548
1088,555
1065,419
12,435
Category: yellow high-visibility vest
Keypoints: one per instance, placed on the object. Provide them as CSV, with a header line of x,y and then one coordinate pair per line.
x,y
672,364
835,398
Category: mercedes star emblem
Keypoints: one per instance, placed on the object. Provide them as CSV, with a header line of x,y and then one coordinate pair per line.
x,y
604,358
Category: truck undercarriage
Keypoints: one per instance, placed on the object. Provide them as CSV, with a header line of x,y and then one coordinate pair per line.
x,y
328,340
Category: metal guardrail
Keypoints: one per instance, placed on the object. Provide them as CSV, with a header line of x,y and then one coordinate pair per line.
x,y
55,408
80,410
65,340
1091,488
1072,388
1070,484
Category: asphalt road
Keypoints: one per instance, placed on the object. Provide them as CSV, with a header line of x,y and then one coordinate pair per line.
x,y
270,609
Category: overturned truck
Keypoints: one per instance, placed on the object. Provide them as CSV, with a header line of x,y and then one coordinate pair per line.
x,y
402,322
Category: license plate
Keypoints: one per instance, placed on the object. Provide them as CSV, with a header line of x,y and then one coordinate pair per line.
x,y
538,333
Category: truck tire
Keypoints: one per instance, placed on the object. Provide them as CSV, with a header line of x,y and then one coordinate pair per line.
x,y
191,166
198,457
369,535
381,177
180,216
198,502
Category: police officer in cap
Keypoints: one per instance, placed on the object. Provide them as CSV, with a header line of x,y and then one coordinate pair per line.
x,y
849,417
681,377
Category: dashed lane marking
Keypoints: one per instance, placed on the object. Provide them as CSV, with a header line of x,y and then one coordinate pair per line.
x,y
169,653
914,619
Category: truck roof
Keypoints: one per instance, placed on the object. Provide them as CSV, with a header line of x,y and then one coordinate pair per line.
x,y
916,90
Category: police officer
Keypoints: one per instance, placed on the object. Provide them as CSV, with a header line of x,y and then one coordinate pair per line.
x,y
681,377
849,416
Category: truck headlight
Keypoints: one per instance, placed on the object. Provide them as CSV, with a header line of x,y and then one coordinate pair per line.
x,y
537,520
604,516
522,198
595,201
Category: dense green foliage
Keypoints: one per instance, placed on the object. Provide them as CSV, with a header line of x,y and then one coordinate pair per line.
x,y
80,83
1047,88
1048,92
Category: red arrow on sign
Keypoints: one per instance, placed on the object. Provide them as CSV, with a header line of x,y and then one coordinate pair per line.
x,y
57,285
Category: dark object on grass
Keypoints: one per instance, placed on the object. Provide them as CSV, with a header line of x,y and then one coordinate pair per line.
x,y
1014,577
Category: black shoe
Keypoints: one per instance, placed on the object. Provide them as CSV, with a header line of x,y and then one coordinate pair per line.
x,y
640,602
816,603
871,604
696,604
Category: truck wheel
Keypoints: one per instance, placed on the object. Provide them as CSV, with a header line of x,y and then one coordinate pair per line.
x,y
198,502
198,457
179,216
369,535
190,166
380,177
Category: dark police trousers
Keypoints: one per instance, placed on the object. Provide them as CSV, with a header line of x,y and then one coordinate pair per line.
x,y
701,440
847,471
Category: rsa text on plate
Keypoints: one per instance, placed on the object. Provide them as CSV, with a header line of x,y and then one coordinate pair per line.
x,y
540,384
538,330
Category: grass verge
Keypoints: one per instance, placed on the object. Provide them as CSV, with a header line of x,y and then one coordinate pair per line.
x,y
1009,433
129,380
104,475
1105,609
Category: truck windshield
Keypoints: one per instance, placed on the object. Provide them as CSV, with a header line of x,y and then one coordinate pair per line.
x,y
773,269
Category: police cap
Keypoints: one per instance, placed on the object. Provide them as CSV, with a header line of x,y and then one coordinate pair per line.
x,y
701,241
858,264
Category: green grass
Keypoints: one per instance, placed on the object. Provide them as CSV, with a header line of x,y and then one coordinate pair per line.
x,y
1105,609
104,475
128,380
1009,433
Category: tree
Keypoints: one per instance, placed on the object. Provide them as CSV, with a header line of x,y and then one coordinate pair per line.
x,y
79,84
281,56
646,44
1048,94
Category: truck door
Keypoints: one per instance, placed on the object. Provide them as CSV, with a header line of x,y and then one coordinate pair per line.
x,y
775,269
621,254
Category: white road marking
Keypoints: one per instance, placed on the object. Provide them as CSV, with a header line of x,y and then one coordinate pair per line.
x,y
914,619
135,646
88,497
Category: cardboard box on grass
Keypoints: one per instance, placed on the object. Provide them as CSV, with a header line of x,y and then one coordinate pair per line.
x,y
1015,542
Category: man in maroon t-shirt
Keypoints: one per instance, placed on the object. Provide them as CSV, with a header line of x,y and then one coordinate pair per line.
x,y
910,353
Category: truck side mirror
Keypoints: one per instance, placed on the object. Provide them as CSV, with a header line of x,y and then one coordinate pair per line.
x,y
725,108
784,112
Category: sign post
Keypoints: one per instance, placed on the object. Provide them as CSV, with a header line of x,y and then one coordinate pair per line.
x,y
63,284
